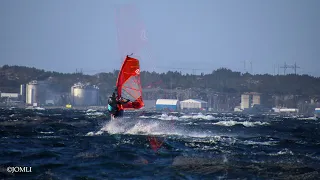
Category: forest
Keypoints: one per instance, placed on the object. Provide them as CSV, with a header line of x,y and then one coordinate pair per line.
x,y
220,80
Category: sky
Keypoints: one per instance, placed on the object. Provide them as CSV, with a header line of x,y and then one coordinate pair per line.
x,y
184,35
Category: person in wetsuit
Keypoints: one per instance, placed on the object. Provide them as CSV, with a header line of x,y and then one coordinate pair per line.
x,y
112,104
115,105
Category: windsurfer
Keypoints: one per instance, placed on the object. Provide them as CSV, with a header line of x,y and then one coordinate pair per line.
x,y
115,105
112,103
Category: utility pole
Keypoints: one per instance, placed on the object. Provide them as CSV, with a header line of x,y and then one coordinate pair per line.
x,y
244,66
295,68
251,67
285,67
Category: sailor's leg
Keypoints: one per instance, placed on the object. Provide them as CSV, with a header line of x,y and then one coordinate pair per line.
x,y
116,114
120,113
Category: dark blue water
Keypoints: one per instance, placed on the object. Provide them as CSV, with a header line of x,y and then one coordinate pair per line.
x,y
70,144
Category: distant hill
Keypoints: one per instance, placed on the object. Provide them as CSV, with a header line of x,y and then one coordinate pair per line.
x,y
11,77
220,80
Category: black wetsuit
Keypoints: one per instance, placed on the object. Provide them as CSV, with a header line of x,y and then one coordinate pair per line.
x,y
112,104
119,111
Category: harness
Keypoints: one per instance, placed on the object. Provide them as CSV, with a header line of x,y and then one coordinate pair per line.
x,y
112,106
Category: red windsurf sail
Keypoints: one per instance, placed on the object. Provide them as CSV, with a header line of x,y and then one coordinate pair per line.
x,y
129,85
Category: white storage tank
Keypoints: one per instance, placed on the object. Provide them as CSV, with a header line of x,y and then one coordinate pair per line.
x,y
23,92
84,95
36,92
193,104
31,96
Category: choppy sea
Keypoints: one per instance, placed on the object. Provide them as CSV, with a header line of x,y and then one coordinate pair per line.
x,y
74,144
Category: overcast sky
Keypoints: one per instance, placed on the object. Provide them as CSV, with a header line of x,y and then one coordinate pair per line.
x,y
65,35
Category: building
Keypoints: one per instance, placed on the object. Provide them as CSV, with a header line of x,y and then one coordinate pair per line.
x,y
9,95
9,98
289,110
248,100
317,112
255,99
167,104
237,109
193,104
285,110
50,102
245,101
36,93
84,95
23,92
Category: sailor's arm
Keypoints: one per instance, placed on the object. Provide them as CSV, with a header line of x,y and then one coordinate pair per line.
x,y
123,100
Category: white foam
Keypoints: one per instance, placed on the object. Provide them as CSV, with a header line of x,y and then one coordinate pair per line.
x,y
91,110
144,117
161,126
90,133
50,132
282,152
212,140
138,126
244,123
166,117
94,133
198,116
308,118
94,114
267,143
144,128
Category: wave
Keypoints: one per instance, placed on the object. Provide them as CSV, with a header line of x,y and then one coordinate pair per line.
x,y
282,152
198,116
244,123
136,127
266,143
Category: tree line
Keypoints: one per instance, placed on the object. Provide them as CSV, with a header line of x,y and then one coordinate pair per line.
x,y
220,80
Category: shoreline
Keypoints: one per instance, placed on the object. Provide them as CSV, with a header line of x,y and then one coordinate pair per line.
x,y
56,107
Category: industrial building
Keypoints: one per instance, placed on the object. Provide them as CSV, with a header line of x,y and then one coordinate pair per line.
x,y
255,99
84,95
194,104
317,112
35,92
285,110
9,95
9,98
23,92
167,104
248,100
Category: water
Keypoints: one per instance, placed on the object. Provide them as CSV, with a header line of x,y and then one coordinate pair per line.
x,y
70,144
